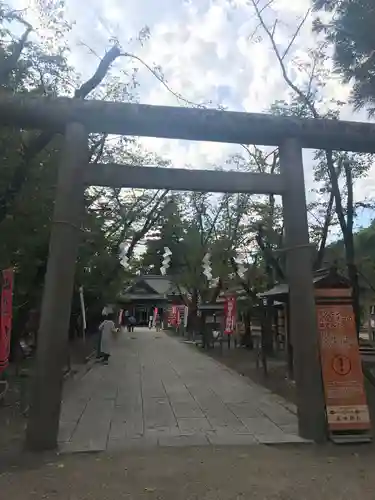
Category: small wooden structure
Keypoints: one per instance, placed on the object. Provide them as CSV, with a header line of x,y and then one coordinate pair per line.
x,y
147,292
212,320
326,278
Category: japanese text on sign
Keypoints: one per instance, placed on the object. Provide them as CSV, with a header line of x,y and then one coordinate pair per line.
x,y
341,368
229,315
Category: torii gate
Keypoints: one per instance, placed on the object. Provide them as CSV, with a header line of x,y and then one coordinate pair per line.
x,y
76,118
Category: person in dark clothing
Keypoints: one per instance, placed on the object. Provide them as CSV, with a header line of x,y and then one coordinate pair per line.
x,y
132,322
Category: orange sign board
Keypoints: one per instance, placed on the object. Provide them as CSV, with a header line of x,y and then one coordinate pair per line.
x,y
345,396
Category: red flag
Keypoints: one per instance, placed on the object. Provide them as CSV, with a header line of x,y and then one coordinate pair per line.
x,y
173,316
155,315
6,317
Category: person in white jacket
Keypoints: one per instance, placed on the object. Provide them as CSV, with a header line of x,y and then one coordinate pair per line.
x,y
107,329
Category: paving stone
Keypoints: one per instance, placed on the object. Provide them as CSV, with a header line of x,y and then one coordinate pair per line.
x,y
244,410
94,425
163,432
231,439
290,428
158,413
129,399
193,425
83,446
232,397
153,390
279,438
222,417
261,425
180,396
191,440
158,390
186,409
66,430
279,416
132,443
73,409
231,429
127,421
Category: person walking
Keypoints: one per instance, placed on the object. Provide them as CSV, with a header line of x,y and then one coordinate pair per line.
x,y
107,329
132,322
158,323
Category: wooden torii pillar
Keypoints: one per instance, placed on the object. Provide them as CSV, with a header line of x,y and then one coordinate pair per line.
x,y
43,421
302,316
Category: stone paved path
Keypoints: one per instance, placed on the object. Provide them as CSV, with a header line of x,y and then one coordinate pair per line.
x,y
160,391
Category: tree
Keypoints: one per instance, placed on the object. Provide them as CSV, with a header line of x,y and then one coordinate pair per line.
x,y
364,240
351,31
336,170
30,163
168,232
191,226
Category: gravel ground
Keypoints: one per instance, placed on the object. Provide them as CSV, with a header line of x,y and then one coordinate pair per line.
x,y
302,472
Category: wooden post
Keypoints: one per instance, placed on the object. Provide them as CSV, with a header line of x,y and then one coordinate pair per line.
x,y
43,423
302,317
289,347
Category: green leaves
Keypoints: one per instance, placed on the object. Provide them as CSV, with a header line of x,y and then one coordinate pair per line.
x,y
351,31
30,162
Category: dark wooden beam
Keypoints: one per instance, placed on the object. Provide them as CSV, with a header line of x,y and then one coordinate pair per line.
x,y
184,123
181,179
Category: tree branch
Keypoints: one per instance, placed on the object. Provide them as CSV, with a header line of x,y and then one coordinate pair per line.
x,y
10,63
323,241
295,34
152,217
280,58
100,73
336,191
267,253
310,105
30,151
350,197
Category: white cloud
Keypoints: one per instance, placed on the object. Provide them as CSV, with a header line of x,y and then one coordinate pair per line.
x,y
207,50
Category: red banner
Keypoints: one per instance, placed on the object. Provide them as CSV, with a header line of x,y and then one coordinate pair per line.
x,y
6,317
172,320
229,315
342,369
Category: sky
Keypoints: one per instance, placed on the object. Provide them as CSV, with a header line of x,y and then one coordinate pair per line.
x,y
209,50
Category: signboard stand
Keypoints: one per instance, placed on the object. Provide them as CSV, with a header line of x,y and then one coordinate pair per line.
x,y
347,412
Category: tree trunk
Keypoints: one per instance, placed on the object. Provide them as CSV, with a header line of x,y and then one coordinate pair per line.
x,y
193,320
289,345
248,340
354,281
269,312
267,341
